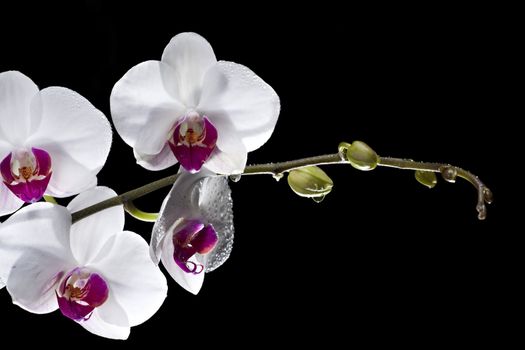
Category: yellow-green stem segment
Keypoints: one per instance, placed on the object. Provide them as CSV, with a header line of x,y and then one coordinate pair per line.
x,y
138,214
50,199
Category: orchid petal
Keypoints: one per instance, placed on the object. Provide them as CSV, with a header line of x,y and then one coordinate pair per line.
x,y
192,282
192,154
239,102
190,56
216,207
41,228
155,162
189,238
16,117
31,191
201,199
228,158
5,147
144,107
27,173
76,135
74,310
5,169
71,177
33,280
90,234
108,320
136,283
181,202
10,202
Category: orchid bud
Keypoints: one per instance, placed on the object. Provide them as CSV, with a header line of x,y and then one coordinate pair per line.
x,y
426,178
310,182
359,155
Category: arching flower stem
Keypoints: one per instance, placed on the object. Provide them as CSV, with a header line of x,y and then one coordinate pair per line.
x,y
448,172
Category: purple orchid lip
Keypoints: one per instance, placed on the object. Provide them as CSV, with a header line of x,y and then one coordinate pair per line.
x,y
192,142
80,293
194,237
27,173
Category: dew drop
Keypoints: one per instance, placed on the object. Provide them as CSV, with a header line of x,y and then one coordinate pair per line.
x,y
235,178
318,199
278,176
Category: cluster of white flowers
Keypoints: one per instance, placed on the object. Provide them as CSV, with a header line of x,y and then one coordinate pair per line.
x,y
187,108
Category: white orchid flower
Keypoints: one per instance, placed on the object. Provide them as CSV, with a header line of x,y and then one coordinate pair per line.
x,y
194,233
52,142
96,274
192,109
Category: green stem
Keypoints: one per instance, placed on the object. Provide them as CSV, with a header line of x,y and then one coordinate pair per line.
x,y
50,199
277,170
138,214
449,173
125,197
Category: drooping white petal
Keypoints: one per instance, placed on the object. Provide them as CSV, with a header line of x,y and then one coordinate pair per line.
x,y
216,207
159,161
76,135
228,158
144,107
189,281
108,320
16,93
190,55
202,196
181,202
136,283
237,98
90,234
9,203
41,227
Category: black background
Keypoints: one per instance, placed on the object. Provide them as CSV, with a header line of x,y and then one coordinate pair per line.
x,y
381,258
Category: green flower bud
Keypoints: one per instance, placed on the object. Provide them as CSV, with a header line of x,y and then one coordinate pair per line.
x,y
310,182
426,178
359,155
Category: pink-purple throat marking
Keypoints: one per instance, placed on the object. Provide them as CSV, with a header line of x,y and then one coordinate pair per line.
x,y
192,238
27,173
80,292
193,141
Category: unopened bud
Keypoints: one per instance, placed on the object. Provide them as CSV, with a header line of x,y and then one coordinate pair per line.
x,y
359,155
426,178
311,182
